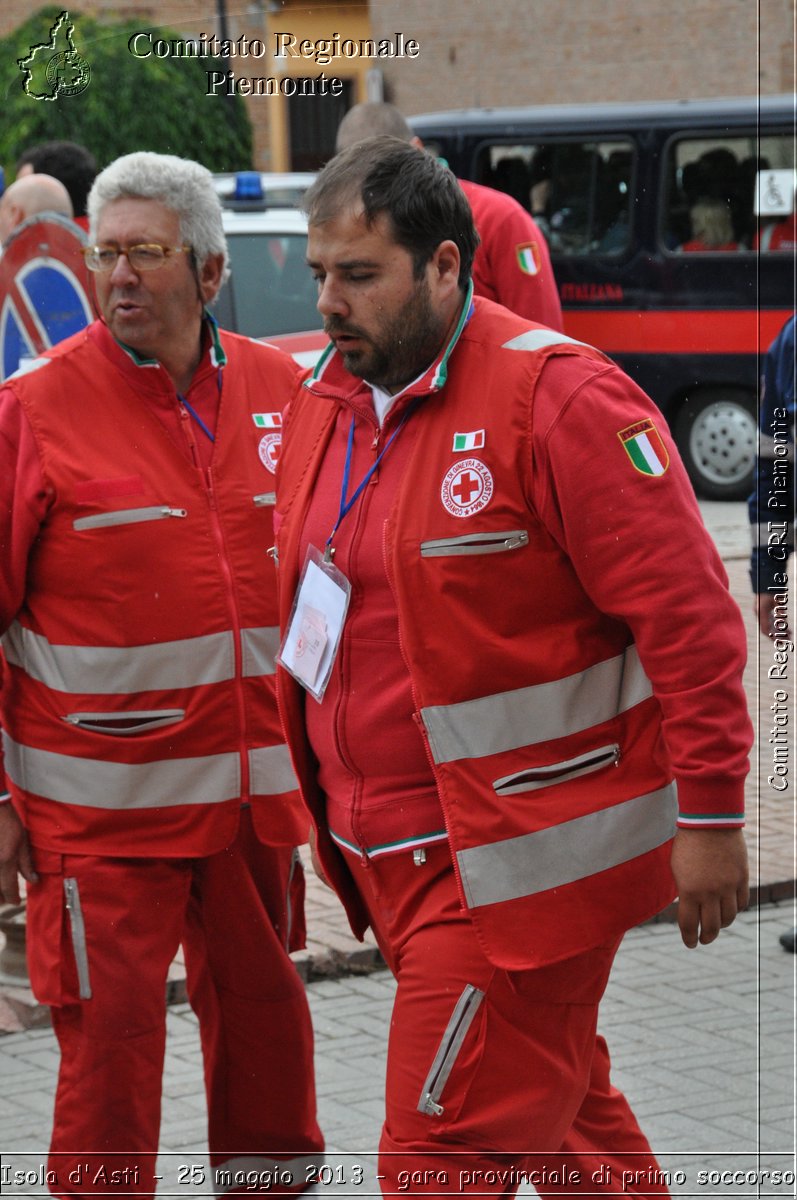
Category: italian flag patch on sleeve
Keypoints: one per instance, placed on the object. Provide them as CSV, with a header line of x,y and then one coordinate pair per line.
x,y
645,448
528,258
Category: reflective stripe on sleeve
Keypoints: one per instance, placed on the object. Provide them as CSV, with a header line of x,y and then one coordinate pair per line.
x,y
562,854
92,783
125,670
528,716
538,339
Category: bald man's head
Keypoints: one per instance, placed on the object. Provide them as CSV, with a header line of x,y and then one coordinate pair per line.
x,y
28,196
371,120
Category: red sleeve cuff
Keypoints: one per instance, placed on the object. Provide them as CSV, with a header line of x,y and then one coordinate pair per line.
x,y
710,804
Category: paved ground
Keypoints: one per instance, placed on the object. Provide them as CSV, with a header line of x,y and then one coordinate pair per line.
x,y
703,1042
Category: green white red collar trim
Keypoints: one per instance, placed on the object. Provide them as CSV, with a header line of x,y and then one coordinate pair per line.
x,y
218,357
431,381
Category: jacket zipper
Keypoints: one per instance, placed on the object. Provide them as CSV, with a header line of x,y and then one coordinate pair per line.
x,y
530,778
416,709
128,516
236,625
461,1018
206,475
114,722
358,514
475,543
78,930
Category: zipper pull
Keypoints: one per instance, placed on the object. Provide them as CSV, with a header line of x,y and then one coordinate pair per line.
x,y
189,433
431,1107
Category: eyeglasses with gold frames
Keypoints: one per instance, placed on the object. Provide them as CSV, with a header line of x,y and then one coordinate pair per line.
x,y
147,256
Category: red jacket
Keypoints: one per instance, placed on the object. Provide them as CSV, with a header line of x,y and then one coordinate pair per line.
x,y
564,665
138,704
512,264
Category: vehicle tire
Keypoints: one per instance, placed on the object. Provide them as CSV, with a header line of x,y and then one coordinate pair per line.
x,y
716,431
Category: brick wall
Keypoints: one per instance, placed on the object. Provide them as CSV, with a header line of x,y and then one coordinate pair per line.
x,y
558,51
510,51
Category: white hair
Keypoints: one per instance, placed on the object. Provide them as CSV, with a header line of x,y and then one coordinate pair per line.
x,y
182,185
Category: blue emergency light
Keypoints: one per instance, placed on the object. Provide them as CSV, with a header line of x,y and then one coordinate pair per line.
x,y
248,186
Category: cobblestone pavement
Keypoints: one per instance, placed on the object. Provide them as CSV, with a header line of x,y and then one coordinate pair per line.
x,y
702,1043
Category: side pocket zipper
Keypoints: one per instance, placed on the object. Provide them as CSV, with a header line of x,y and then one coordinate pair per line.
x,y
78,927
459,1024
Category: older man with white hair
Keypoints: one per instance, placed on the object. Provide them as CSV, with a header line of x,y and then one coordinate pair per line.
x,y
152,799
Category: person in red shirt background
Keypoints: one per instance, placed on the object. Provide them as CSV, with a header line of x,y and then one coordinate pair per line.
x,y
712,227
782,236
512,264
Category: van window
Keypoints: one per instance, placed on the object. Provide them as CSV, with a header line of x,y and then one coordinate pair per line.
x,y
579,192
710,191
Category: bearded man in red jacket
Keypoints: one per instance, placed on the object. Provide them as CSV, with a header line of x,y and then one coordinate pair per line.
x,y
508,637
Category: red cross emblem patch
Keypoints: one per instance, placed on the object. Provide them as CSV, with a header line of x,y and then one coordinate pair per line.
x,y
467,488
269,450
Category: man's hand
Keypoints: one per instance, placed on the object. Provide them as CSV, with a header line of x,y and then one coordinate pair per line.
x,y
316,861
710,869
15,856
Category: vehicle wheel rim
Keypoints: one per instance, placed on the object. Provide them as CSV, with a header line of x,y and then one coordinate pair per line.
x,y
722,443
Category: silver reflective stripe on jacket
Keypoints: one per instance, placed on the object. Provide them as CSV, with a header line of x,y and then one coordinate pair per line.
x,y
210,779
562,854
541,713
124,670
92,783
260,648
270,771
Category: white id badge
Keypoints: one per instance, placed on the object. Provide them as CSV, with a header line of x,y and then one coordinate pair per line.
x,y
316,623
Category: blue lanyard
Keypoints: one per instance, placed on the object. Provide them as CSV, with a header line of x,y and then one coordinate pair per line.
x,y
346,505
193,412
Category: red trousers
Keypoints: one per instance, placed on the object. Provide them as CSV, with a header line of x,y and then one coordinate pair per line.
x,y
102,965
493,1077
